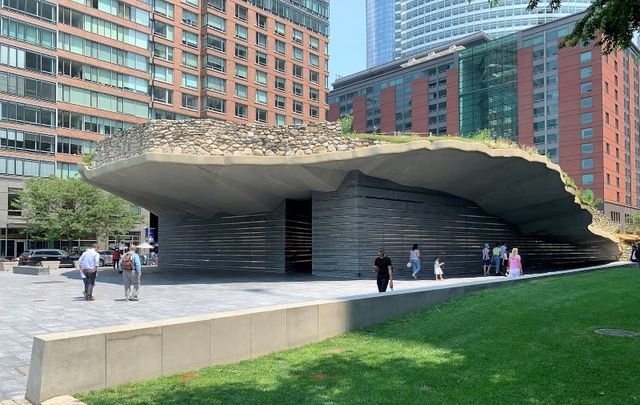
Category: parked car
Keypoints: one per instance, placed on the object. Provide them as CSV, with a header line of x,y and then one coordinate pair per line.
x,y
105,259
35,257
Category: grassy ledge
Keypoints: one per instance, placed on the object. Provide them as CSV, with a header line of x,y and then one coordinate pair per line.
x,y
531,343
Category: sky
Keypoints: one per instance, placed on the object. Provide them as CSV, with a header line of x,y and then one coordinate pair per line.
x,y
347,40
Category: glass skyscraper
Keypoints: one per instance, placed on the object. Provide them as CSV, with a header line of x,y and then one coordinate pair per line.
x,y
420,25
380,31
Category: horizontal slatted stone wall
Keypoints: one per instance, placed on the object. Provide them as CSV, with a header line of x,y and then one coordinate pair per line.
x,y
349,225
226,242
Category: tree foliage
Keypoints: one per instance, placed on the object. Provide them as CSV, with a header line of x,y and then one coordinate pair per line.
x,y
57,209
346,123
608,23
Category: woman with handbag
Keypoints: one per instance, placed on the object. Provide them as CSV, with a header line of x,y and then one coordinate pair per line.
x,y
414,260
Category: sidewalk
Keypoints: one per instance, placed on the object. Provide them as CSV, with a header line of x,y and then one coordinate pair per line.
x,y
37,305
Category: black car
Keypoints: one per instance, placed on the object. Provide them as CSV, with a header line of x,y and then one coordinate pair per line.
x,y
35,257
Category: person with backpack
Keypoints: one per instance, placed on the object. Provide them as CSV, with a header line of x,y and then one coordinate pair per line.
x,y
131,272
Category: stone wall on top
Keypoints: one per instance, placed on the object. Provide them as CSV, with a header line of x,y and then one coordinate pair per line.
x,y
214,137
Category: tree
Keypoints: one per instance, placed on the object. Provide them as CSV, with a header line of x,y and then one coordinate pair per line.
x,y
608,23
57,209
346,123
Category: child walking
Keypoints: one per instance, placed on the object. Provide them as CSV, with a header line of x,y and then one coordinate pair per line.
x,y
437,268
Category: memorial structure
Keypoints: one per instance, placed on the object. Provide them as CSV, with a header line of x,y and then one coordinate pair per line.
x,y
309,199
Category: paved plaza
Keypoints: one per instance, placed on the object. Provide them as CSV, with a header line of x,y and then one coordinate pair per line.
x,y
36,305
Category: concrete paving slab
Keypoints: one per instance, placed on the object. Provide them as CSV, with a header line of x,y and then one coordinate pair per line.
x,y
53,303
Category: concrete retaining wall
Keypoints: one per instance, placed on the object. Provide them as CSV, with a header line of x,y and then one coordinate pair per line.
x,y
71,362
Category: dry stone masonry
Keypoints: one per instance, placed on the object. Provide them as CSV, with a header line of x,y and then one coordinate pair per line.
x,y
214,137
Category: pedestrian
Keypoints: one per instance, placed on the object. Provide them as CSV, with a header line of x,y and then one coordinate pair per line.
x,y
131,273
496,258
437,268
515,264
382,266
634,253
504,256
486,259
414,259
116,260
88,263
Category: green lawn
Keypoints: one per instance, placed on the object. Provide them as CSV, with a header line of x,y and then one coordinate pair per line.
x,y
529,344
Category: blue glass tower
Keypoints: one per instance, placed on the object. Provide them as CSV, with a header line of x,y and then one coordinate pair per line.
x,y
380,32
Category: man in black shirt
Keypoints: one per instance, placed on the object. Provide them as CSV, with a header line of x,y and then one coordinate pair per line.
x,y
382,265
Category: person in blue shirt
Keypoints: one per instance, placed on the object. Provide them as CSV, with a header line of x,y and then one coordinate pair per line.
x,y
131,272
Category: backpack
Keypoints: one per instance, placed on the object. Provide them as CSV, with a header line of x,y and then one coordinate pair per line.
x,y
127,261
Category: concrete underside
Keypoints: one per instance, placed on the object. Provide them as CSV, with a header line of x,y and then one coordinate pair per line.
x,y
524,190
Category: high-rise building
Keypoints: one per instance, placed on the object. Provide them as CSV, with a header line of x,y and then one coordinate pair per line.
x,y
380,31
75,71
577,106
420,25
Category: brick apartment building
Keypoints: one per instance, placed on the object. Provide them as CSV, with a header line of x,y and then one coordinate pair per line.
x,y
576,105
74,71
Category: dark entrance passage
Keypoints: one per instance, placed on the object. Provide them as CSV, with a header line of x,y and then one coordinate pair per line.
x,y
298,236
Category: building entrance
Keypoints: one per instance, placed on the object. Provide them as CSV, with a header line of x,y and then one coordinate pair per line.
x,y
298,236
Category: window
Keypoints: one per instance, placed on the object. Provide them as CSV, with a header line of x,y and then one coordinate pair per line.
x,y
586,87
162,95
298,71
241,71
242,111
261,21
297,53
586,102
216,84
281,102
586,118
297,107
163,8
314,94
297,36
216,22
297,89
241,12
189,59
281,120
585,57
189,18
281,83
190,81
189,39
216,63
217,43
314,43
261,115
13,202
163,30
261,97
261,77
241,91
587,163
585,72
586,148
313,77
281,47
216,104
297,121
261,40
314,60
280,65
163,74
163,52
313,111
261,58
241,52
586,133
217,4
280,29
242,32
189,101
587,179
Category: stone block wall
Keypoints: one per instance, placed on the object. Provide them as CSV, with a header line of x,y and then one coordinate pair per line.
x,y
218,138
